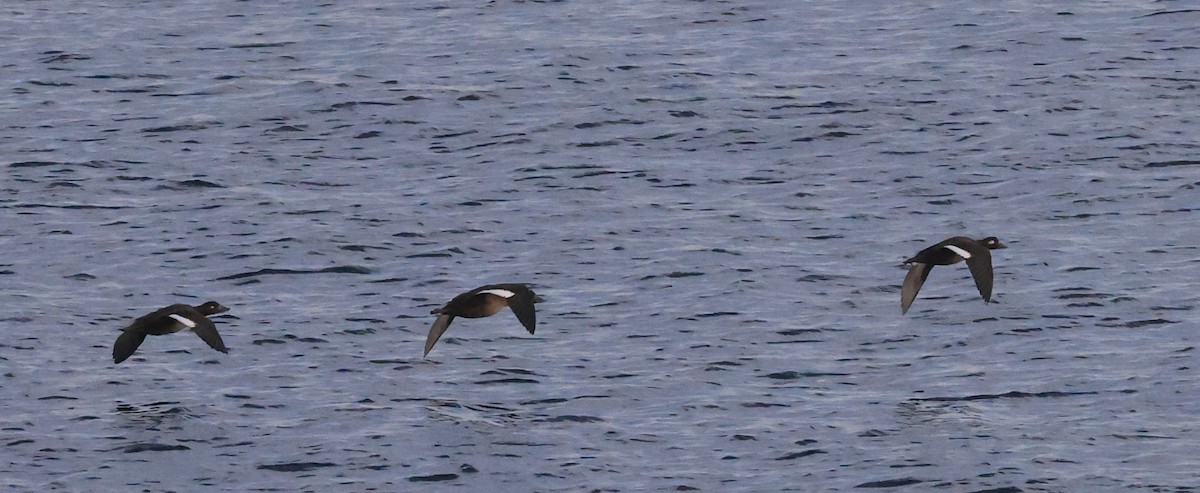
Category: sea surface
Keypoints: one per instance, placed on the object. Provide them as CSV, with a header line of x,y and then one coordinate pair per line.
x,y
713,197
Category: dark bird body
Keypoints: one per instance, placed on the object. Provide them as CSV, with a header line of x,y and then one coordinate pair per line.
x,y
170,320
482,302
977,253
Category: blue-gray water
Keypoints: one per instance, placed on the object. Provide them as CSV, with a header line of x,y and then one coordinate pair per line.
x,y
713,197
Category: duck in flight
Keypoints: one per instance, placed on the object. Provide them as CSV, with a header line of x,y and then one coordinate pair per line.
x,y
170,320
485,301
977,253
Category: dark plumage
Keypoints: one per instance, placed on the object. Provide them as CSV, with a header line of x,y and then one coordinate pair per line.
x,y
485,301
977,253
170,320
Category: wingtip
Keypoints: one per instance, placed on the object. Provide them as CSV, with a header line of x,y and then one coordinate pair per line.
x,y
436,330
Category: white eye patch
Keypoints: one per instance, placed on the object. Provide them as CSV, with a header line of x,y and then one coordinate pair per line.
x,y
503,293
183,320
961,253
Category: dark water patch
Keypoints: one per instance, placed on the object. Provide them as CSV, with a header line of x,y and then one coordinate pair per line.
x,y
675,275
761,405
311,340
278,44
825,136
618,375
517,371
264,342
600,173
69,206
678,184
556,400
40,164
57,398
889,483
362,248
390,361
1080,269
1060,217
196,183
1072,296
511,443
447,253
717,314
57,56
433,478
1169,12
819,278
502,381
1007,395
1142,436
174,128
797,375
796,332
323,184
455,134
80,277
343,269
352,104
1143,323
296,466
802,454
181,185
723,366
18,442
152,447
50,84
390,280
796,341
570,418
1006,489
1164,164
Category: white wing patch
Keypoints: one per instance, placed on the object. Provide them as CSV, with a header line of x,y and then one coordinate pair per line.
x,y
503,293
183,320
961,253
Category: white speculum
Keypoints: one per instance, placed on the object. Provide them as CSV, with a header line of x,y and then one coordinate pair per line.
x,y
183,320
961,253
503,293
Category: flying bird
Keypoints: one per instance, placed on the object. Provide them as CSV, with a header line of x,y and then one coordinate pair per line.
x,y
170,320
977,253
485,301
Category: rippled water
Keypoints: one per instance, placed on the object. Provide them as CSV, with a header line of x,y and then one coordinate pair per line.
x,y
713,197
